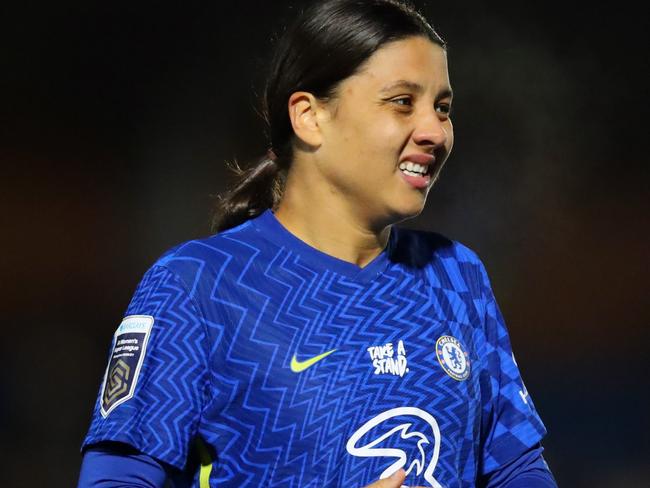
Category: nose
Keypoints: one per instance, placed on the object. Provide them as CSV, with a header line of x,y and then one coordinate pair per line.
x,y
431,130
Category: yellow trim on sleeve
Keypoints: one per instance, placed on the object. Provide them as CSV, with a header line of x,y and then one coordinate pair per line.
x,y
206,464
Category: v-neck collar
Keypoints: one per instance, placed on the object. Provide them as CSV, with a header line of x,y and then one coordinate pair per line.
x,y
272,229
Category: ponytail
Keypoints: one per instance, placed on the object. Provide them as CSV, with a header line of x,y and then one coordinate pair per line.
x,y
257,188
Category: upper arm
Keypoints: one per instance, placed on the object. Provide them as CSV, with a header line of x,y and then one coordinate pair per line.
x,y
157,382
528,470
108,465
510,423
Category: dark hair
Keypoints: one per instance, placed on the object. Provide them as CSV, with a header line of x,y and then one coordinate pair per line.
x,y
324,45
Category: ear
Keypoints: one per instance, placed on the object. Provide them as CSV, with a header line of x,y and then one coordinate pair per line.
x,y
305,113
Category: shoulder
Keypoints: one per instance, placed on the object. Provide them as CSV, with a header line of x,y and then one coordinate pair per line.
x,y
208,255
445,262
419,248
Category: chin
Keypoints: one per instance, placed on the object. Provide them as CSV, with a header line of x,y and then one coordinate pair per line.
x,y
406,212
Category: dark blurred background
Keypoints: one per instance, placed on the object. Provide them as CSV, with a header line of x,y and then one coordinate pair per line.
x,y
117,120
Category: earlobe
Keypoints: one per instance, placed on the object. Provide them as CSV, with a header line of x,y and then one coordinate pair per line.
x,y
303,113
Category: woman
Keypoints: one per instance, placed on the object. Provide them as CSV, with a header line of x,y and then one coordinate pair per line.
x,y
311,342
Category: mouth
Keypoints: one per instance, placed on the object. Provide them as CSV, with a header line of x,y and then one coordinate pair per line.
x,y
417,170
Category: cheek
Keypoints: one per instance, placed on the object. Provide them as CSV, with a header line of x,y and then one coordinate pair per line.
x,y
375,143
367,141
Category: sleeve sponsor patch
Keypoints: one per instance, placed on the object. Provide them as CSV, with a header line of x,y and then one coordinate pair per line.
x,y
129,346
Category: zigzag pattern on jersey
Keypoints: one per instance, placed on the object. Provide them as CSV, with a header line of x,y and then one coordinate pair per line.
x,y
235,308
162,416
291,430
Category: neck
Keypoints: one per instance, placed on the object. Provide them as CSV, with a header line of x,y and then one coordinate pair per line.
x,y
329,224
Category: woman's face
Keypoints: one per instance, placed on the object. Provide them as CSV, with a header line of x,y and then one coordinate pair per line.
x,y
392,115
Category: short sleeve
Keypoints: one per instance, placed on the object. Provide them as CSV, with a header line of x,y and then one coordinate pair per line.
x,y
510,423
156,382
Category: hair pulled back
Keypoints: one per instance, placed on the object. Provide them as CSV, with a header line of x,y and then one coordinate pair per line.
x,y
325,44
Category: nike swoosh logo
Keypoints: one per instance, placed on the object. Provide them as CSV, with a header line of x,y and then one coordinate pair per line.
x,y
300,366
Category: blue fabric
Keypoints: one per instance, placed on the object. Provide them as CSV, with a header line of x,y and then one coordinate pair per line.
x,y
418,363
541,479
110,467
529,470
508,426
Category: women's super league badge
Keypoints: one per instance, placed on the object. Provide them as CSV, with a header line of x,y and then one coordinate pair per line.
x,y
129,346
453,357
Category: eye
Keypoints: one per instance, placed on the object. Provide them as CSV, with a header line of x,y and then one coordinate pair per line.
x,y
403,101
444,109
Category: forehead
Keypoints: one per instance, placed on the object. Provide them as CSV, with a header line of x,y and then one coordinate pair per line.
x,y
415,59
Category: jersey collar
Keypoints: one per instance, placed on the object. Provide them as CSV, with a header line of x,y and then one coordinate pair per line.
x,y
272,229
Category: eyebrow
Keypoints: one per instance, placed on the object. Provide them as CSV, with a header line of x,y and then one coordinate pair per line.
x,y
415,87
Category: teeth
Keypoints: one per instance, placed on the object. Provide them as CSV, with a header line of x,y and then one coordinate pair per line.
x,y
413,168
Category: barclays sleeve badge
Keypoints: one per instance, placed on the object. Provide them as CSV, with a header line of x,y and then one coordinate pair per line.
x,y
129,346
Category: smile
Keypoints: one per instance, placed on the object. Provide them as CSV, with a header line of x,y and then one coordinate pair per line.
x,y
414,169
417,168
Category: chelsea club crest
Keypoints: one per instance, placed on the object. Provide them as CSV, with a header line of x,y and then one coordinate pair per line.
x,y
453,357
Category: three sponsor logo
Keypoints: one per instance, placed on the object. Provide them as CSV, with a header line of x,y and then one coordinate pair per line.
x,y
423,440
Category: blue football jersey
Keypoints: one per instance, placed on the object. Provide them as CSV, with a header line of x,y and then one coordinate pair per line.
x,y
250,358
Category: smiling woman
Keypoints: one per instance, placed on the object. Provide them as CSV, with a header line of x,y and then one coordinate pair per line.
x,y
364,138
366,158
311,341
328,62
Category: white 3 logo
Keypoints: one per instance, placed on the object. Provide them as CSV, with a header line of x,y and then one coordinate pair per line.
x,y
369,450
